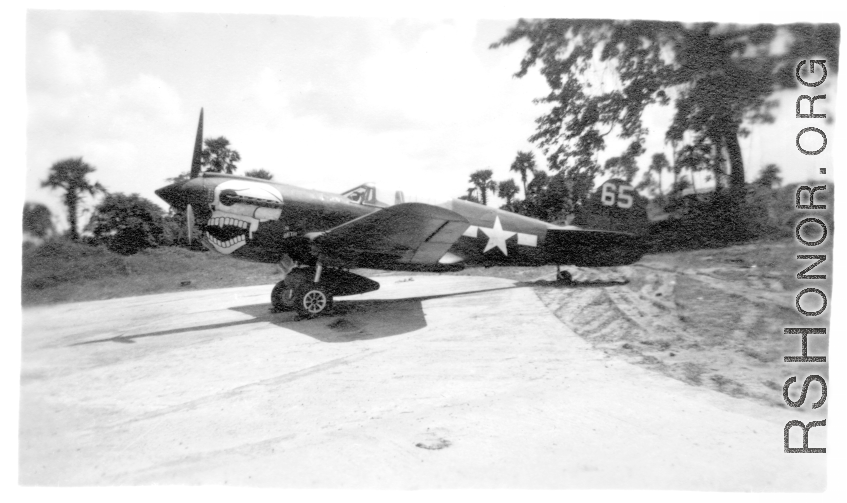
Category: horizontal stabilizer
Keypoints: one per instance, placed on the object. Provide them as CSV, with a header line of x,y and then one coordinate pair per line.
x,y
593,248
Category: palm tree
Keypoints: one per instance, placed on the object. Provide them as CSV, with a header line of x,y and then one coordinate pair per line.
x,y
482,181
524,164
659,164
507,189
70,176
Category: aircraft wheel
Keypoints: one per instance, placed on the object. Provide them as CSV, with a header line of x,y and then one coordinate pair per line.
x,y
284,294
564,277
282,297
313,300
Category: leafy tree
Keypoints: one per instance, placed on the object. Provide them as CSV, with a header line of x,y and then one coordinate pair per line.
x,y
38,220
720,75
680,185
653,185
481,179
538,184
70,175
217,157
769,176
554,202
507,189
524,164
127,223
625,166
259,173
470,196
534,192
182,177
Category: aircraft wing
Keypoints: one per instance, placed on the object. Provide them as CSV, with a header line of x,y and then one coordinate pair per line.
x,y
407,233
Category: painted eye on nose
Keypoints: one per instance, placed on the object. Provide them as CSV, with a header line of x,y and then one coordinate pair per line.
x,y
228,197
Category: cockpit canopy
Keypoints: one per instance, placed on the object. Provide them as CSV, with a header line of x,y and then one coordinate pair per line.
x,y
369,195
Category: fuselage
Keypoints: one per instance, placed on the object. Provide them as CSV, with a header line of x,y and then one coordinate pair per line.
x,y
265,221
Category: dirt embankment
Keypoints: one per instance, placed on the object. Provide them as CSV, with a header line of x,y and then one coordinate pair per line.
x,y
709,318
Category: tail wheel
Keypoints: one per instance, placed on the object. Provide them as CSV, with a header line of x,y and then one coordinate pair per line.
x,y
564,277
313,300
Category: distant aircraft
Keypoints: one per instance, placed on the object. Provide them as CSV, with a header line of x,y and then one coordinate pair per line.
x,y
317,237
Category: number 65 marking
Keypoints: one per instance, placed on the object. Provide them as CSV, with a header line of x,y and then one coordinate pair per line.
x,y
622,195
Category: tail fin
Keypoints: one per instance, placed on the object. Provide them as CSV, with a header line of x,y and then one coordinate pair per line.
x,y
614,206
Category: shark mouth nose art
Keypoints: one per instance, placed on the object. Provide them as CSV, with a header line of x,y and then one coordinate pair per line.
x,y
226,232
238,206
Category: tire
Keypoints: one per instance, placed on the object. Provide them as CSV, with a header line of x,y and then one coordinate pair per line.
x,y
282,297
313,300
284,294
564,277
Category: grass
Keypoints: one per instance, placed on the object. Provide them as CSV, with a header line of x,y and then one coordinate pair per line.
x,y
63,271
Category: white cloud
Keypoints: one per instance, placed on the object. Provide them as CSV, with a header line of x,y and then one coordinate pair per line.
x,y
266,94
75,110
60,65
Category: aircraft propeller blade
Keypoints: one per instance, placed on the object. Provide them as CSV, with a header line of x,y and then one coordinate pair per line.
x,y
198,148
189,222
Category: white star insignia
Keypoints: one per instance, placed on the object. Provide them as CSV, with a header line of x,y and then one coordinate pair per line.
x,y
497,236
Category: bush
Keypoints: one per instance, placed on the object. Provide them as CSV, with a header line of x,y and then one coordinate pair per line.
x,y
764,214
127,224
62,261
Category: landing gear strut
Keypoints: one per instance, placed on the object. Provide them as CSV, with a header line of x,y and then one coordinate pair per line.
x,y
310,290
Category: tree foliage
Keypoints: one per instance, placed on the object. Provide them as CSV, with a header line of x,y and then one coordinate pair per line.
x,y
71,175
217,157
481,179
182,177
507,189
260,173
524,165
470,195
603,74
651,181
38,220
127,224
769,176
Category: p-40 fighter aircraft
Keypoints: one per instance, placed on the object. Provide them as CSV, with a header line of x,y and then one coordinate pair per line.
x,y
317,237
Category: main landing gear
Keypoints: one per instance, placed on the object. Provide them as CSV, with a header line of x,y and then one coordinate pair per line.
x,y
310,290
302,291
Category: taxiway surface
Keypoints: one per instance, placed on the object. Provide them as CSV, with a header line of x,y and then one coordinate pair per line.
x,y
429,382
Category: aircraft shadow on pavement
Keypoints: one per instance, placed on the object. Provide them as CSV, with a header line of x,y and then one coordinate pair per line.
x,y
349,320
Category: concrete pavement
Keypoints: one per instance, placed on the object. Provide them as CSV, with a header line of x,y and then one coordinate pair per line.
x,y
430,382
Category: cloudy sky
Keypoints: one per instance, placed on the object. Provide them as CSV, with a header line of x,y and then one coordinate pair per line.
x,y
320,102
